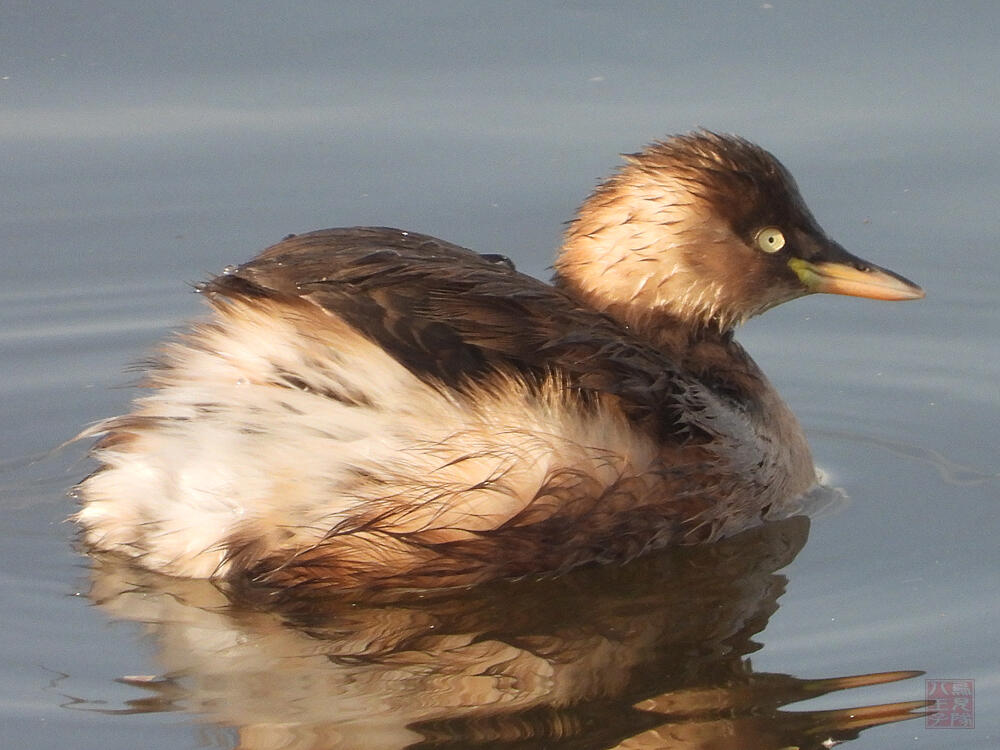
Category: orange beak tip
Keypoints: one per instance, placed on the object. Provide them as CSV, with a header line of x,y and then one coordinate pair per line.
x,y
840,278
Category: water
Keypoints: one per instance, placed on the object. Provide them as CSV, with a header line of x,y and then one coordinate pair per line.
x,y
148,146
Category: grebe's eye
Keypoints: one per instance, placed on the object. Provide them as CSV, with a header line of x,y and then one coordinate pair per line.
x,y
769,239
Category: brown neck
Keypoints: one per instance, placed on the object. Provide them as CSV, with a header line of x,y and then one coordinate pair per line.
x,y
661,326
644,250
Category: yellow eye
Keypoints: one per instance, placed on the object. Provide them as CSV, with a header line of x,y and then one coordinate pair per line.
x,y
769,239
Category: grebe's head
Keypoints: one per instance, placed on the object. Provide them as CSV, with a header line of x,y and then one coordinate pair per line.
x,y
710,230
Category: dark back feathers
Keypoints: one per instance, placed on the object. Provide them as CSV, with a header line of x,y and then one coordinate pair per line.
x,y
453,316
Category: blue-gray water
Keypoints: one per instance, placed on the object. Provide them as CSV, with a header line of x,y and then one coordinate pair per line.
x,y
148,145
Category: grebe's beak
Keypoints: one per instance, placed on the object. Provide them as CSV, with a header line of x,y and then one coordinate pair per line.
x,y
836,271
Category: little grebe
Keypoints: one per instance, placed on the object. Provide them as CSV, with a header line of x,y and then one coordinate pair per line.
x,y
373,407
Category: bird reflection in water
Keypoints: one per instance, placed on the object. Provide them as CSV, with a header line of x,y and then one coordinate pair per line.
x,y
652,654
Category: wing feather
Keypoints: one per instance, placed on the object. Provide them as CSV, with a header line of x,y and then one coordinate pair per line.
x,y
453,316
